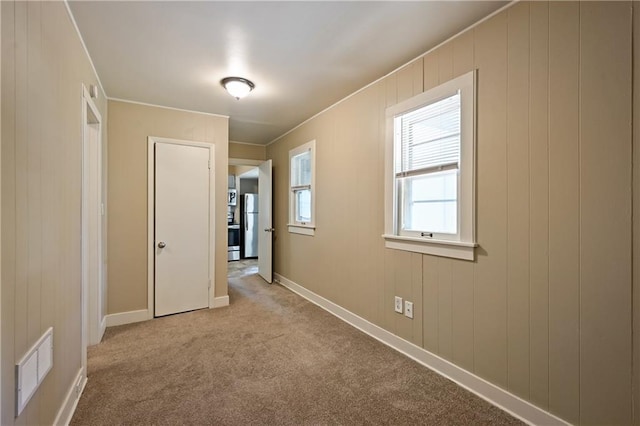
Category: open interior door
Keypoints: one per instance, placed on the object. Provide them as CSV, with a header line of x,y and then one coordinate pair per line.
x,y
265,222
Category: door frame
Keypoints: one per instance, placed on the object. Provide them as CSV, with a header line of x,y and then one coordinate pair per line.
x,y
256,163
92,327
151,217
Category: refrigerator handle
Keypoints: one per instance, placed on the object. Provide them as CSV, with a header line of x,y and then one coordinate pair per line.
x,y
246,221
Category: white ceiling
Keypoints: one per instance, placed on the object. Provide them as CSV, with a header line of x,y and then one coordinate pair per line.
x,y
302,56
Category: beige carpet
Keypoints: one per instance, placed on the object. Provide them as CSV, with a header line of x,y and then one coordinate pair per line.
x,y
270,358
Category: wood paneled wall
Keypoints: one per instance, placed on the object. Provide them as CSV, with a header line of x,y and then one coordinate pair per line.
x,y
43,68
129,126
246,151
636,217
545,310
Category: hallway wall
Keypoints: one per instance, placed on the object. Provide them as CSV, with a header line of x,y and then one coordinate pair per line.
x,y
129,126
247,151
545,309
44,66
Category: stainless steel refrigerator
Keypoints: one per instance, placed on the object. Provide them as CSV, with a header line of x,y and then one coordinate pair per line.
x,y
249,225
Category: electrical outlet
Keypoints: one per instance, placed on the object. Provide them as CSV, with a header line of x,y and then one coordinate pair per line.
x,y
408,309
399,304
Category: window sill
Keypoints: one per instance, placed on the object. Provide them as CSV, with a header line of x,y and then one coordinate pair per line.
x,y
302,229
444,248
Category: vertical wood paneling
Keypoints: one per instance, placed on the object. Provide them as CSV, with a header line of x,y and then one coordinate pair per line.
x,y
462,313
539,207
490,279
1,372
404,288
51,233
344,172
404,83
516,316
34,170
21,247
417,67
445,63
389,290
605,233
382,302
564,295
34,191
409,80
444,274
518,198
463,53
430,72
369,236
392,90
389,257
416,298
636,218
462,272
8,232
42,74
445,308
430,303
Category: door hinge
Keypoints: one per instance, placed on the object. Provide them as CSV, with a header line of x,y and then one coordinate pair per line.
x,y
209,164
209,284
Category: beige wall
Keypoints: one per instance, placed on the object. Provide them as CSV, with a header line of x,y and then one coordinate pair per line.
x,y
636,216
247,151
43,68
545,310
1,366
129,126
238,170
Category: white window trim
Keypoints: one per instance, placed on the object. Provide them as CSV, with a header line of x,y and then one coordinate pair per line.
x,y
464,248
306,228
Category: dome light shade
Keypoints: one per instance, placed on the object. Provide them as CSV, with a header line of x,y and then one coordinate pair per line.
x,y
237,87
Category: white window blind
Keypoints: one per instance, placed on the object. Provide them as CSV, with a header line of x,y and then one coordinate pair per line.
x,y
430,138
301,170
430,164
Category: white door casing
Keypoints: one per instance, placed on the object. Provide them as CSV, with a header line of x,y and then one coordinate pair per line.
x,y
182,246
93,283
265,222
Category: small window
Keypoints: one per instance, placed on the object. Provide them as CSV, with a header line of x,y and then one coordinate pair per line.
x,y
301,189
430,199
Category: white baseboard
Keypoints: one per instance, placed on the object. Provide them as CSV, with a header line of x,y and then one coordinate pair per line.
x,y
127,317
219,302
497,396
71,400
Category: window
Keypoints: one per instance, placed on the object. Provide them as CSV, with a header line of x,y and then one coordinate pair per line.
x,y
430,167
301,189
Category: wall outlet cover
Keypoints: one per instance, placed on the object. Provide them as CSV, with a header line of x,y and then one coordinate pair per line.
x,y
408,309
398,306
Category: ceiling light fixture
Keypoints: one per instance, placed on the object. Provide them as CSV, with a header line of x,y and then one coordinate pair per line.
x,y
237,87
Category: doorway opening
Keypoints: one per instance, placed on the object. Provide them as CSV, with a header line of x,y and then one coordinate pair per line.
x,y
249,217
243,216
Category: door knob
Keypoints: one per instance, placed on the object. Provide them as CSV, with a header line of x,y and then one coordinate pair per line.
x,y
269,230
161,244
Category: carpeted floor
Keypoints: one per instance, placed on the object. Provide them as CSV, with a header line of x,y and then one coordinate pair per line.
x,y
270,358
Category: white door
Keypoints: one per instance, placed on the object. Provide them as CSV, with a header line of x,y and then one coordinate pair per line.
x,y
181,228
265,223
